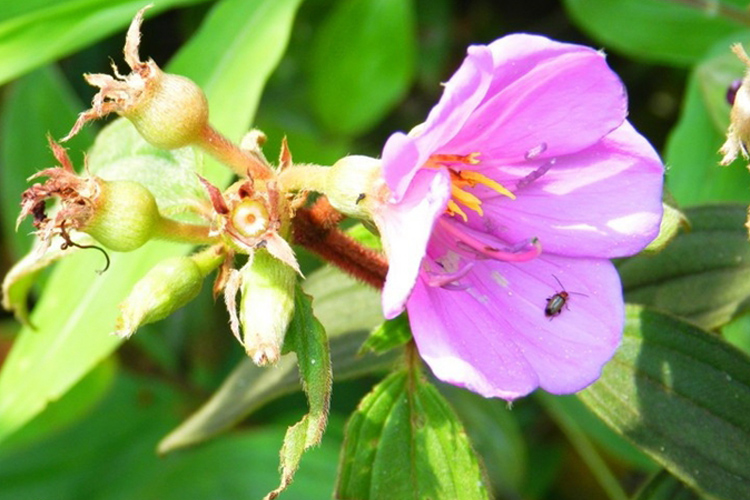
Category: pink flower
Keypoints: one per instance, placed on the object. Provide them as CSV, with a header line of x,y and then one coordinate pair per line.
x,y
525,178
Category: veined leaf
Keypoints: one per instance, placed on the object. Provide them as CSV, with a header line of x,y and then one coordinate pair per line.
x,y
682,395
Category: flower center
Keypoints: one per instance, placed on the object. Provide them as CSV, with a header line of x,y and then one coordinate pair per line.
x,y
250,218
463,179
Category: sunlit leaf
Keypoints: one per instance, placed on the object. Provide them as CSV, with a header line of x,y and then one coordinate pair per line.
x,y
77,313
37,32
694,175
662,31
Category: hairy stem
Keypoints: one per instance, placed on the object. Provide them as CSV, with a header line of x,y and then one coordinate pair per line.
x,y
242,162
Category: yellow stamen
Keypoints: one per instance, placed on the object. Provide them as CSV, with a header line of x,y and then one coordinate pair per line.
x,y
474,178
461,179
467,199
454,209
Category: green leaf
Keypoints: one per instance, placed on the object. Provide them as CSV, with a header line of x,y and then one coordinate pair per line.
x,y
669,32
404,441
494,430
362,63
73,407
692,149
682,396
307,338
249,387
40,103
664,486
77,312
388,335
37,32
120,435
671,222
702,275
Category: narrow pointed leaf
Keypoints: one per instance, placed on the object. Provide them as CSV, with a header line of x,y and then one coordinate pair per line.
x,y
35,33
682,395
307,338
404,441
77,312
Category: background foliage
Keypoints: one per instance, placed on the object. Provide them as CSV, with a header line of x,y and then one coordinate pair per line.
x,y
81,414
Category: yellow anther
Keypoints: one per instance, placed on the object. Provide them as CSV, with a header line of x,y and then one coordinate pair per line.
x,y
474,178
467,199
454,209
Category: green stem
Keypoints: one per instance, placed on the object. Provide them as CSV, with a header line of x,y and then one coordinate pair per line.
x,y
242,162
197,234
304,178
209,259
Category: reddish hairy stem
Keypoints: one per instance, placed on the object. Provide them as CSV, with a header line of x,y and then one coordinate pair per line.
x,y
240,161
315,229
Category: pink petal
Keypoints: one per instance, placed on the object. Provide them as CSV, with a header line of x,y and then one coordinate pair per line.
x,y
494,338
602,202
405,229
403,155
562,104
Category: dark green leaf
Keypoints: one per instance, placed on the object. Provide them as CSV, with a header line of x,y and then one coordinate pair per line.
x,y
37,32
388,335
692,153
703,275
664,486
404,441
662,31
683,396
362,62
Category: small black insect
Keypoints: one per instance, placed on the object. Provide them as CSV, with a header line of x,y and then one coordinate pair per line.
x,y
559,300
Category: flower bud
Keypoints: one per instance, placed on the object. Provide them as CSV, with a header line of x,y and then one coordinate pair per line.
x,y
165,288
125,216
352,183
266,306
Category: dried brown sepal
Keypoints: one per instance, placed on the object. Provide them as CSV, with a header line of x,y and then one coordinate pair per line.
x,y
77,195
120,93
738,134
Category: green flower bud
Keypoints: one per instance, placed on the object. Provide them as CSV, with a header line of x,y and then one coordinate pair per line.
x,y
354,183
165,288
266,306
124,217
